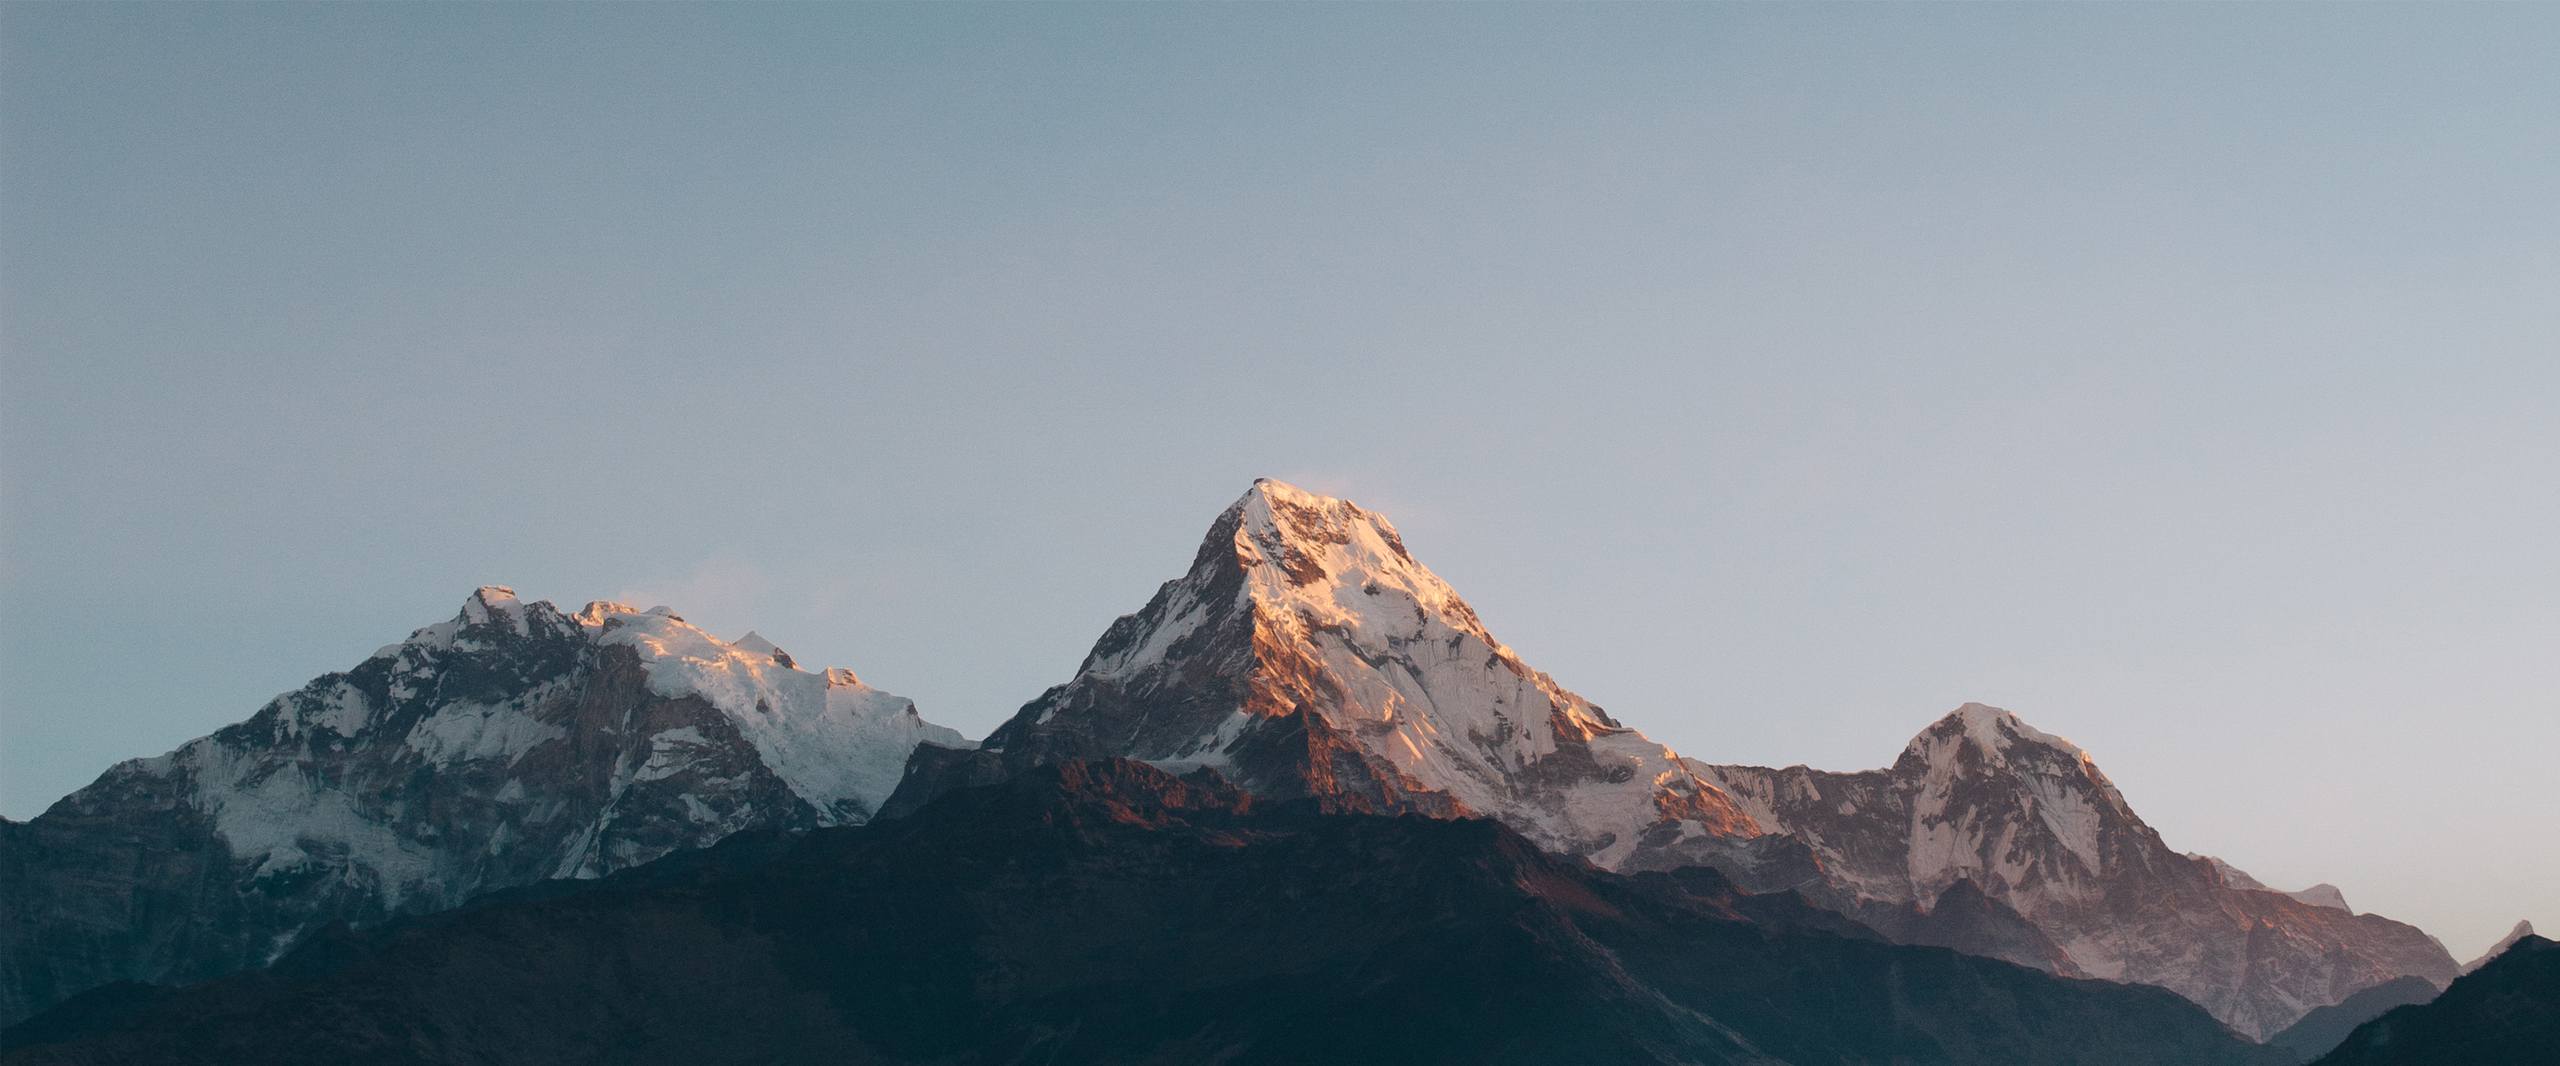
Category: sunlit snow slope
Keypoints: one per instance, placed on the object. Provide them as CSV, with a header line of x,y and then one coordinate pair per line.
x,y
506,745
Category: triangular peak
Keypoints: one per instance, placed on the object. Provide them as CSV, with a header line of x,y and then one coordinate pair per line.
x,y
1990,730
489,600
492,604
2521,933
1275,512
1306,652
754,643
1330,557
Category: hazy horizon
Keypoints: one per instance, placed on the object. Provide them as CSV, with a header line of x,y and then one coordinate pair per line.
x,y
1780,378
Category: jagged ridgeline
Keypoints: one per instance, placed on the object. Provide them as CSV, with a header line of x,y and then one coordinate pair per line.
x,y
1306,655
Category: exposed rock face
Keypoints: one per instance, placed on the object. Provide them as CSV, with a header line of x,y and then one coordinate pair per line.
x,y
1981,798
1107,912
1307,653
510,744
2506,1013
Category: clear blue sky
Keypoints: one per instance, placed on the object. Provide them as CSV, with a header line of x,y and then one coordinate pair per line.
x,y
2182,377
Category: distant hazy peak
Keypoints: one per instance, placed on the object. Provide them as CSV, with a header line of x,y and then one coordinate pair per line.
x,y
2521,931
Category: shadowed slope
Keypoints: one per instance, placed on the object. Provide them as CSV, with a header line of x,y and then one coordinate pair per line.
x,y
2506,1013
1109,912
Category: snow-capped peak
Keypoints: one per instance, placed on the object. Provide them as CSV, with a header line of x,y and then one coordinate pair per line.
x,y
1990,732
837,743
755,644
1980,773
493,603
502,680
1323,539
507,744
1341,566
2026,818
1334,662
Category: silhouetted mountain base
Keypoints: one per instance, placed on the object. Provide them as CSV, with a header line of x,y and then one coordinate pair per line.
x,y
2506,1013
1110,912
2324,1028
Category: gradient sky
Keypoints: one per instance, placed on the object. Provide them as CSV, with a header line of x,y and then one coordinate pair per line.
x,y
2185,378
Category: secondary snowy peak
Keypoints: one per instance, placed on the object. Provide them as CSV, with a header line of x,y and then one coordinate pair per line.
x,y
1979,766
493,603
839,745
507,744
1283,555
1307,652
1987,734
1344,566
1980,797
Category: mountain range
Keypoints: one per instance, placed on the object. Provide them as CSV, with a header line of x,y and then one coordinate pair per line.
x,y
1307,653
509,744
1305,662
